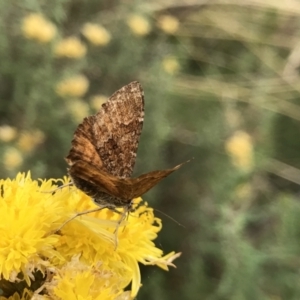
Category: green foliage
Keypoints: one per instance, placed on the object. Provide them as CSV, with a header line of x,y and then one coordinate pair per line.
x,y
222,88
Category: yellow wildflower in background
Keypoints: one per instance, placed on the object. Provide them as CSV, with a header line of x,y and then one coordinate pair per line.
x,y
28,141
7,133
168,24
243,191
81,260
96,34
171,65
240,148
73,87
139,25
12,158
70,47
36,27
78,109
97,101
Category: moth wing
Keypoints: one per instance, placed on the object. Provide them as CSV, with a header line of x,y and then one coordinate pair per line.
x,y
100,180
110,139
83,144
145,182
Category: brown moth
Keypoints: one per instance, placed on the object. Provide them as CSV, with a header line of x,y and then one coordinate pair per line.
x,y
104,148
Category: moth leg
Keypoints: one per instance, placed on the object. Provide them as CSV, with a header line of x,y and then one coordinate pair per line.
x,y
79,214
123,217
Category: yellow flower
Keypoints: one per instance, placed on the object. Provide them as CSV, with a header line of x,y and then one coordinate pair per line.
x,y
96,34
29,140
139,25
7,133
168,24
78,109
243,191
70,47
73,87
77,280
81,259
12,158
97,101
27,217
239,147
93,236
36,27
171,65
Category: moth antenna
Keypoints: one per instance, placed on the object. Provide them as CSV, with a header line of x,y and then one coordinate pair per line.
x,y
175,221
58,188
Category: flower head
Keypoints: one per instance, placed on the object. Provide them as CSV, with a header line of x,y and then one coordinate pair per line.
x,y
168,24
171,65
73,87
25,246
36,27
240,148
28,141
78,109
139,25
70,47
81,256
7,133
97,101
96,34
12,158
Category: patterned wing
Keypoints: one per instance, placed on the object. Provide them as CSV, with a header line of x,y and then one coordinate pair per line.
x,y
95,182
83,145
109,140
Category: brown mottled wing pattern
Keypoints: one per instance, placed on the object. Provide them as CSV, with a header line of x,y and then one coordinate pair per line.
x,y
120,188
109,139
83,147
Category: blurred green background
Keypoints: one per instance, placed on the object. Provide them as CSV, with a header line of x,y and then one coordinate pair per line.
x,y
221,82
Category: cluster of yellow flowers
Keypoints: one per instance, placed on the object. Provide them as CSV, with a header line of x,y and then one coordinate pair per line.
x,y
140,25
81,260
36,27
